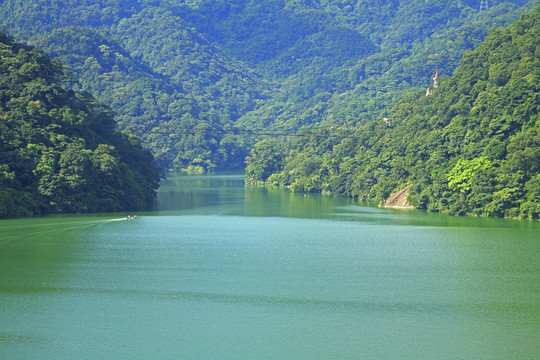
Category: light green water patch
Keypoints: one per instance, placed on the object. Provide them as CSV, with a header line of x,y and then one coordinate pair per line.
x,y
220,271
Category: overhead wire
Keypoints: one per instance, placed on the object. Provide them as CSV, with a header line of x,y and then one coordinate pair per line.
x,y
244,133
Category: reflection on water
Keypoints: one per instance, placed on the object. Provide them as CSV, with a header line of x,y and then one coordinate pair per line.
x,y
225,194
222,271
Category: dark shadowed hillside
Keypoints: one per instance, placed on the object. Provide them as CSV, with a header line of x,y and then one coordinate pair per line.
x,y
60,150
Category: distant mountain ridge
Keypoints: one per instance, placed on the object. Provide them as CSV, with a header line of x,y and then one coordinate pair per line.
x,y
171,68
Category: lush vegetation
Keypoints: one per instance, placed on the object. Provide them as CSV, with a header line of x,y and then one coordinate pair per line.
x,y
150,106
187,76
184,75
60,150
472,147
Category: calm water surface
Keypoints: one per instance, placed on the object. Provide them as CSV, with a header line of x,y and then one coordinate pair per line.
x,y
223,272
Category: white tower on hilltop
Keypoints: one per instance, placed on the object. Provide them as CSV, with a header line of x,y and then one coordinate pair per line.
x,y
483,5
434,85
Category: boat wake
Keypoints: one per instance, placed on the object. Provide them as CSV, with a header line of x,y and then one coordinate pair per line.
x,y
11,233
129,217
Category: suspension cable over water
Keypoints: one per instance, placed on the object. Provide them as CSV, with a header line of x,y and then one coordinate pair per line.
x,y
248,133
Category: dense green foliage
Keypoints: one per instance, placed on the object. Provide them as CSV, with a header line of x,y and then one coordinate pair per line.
x,y
182,74
158,111
472,147
266,158
60,150
169,85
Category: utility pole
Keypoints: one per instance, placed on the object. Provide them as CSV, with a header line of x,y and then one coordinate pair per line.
x,y
483,5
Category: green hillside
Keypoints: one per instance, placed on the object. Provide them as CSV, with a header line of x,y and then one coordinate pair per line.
x,y
148,104
414,40
60,150
174,89
183,75
472,147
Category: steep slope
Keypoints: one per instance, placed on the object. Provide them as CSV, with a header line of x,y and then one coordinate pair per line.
x,y
366,88
26,18
280,38
59,149
472,147
173,48
169,86
191,72
148,104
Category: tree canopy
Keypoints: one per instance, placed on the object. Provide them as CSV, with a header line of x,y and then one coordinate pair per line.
x,y
187,76
184,75
60,150
471,147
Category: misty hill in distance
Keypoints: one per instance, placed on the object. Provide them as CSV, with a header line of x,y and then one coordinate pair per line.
x,y
183,75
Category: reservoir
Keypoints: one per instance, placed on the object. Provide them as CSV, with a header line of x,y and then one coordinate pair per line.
x,y
220,271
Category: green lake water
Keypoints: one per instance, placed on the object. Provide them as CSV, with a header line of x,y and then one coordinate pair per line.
x,y
220,271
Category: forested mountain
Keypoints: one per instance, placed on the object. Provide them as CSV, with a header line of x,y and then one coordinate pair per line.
x,y
167,83
471,146
60,150
185,74
414,39
151,106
